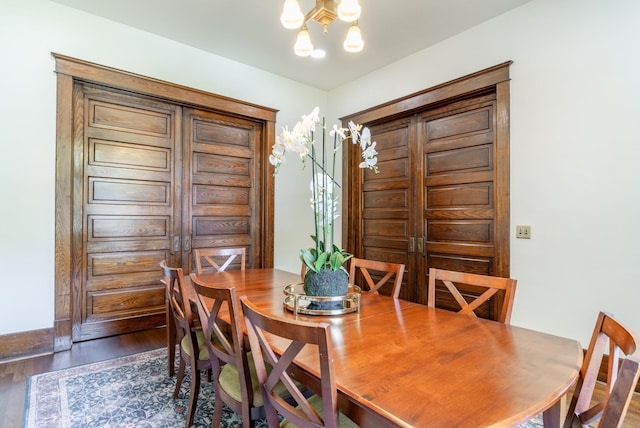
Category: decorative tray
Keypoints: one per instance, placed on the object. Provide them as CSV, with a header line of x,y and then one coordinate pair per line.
x,y
298,302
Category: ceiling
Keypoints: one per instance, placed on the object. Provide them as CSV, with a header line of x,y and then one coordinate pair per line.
x,y
249,31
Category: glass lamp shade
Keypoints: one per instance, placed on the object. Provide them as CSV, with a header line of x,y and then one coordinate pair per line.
x,y
353,42
303,46
349,10
292,16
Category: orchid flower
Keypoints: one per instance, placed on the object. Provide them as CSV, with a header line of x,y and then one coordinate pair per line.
x,y
324,199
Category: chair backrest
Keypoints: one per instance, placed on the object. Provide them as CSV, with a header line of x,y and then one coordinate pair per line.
x,y
366,267
491,284
178,298
226,344
621,377
261,329
218,259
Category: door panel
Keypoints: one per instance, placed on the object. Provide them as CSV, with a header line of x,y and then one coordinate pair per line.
x,y
221,170
387,201
459,212
127,211
151,191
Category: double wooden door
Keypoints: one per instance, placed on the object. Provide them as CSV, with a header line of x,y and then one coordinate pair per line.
x,y
441,196
154,180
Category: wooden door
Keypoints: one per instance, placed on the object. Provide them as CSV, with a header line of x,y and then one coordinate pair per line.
x,y
145,170
222,196
460,198
126,210
159,181
441,198
388,201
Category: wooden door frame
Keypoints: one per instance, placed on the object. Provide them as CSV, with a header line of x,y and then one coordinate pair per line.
x,y
71,70
494,79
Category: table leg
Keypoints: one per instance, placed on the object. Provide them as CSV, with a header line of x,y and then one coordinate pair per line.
x,y
553,417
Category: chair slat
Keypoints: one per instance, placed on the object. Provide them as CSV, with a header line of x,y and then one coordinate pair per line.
x,y
492,284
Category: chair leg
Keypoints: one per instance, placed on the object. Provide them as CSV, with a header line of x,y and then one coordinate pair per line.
x,y
217,409
272,416
193,395
246,418
171,345
179,378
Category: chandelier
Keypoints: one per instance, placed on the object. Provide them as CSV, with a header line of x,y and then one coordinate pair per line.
x,y
325,12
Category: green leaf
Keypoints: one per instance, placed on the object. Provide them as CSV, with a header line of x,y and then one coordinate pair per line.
x,y
321,261
308,257
336,260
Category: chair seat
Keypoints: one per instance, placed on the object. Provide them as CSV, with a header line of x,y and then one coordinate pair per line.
x,y
230,382
316,403
202,346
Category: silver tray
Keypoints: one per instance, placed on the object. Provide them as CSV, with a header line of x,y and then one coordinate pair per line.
x,y
298,302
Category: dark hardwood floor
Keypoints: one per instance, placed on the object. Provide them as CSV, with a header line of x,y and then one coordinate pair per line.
x,y
14,374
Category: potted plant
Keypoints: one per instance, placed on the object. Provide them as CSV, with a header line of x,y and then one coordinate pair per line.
x,y
326,274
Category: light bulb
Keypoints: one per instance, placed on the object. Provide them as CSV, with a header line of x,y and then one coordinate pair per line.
x,y
292,16
349,10
303,46
353,42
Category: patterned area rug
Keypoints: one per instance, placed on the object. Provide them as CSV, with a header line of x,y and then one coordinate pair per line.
x,y
133,391
128,392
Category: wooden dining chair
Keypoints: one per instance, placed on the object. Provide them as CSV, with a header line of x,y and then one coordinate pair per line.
x,y
487,286
218,259
190,334
622,376
234,374
388,270
298,409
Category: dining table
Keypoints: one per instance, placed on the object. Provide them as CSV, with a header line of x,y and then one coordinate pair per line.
x,y
401,363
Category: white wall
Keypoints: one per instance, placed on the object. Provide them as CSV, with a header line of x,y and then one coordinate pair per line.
x,y
574,95
575,92
29,31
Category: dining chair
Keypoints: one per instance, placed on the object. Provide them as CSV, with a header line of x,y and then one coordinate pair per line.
x,y
192,353
367,267
487,286
218,259
234,374
298,409
622,376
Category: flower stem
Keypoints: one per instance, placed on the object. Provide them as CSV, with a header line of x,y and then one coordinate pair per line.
x,y
325,220
333,180
314,192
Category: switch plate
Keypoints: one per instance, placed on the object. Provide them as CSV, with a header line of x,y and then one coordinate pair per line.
x,y
523,232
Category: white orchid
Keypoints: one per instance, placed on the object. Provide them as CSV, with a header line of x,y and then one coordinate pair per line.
x,y
340,132
354,129
365,138
324,198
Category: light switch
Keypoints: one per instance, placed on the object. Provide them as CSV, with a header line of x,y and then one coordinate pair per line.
x,y
523,232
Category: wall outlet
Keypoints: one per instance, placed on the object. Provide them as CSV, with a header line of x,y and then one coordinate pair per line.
x,y
523,232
